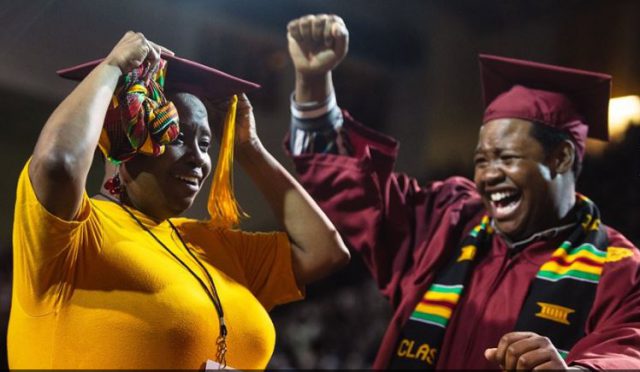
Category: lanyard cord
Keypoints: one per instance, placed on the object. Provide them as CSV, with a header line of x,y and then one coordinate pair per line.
x,y
211,291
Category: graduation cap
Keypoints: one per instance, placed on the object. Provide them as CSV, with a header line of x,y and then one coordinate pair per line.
x,y
183,75
572,100
177,75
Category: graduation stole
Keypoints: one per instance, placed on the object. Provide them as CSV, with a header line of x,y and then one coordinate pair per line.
x,y
557,304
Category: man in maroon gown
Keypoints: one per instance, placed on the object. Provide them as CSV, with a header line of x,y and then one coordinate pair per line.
x,y
528,157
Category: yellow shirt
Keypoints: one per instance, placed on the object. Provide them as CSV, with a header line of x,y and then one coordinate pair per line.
x,y
100,292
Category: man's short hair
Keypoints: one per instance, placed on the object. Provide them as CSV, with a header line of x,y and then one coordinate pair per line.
x,y
550,138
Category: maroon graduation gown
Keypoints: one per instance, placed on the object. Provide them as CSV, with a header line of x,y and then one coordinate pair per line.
x,y
404,230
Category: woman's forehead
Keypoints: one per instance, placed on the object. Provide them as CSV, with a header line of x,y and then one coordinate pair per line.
x,y
191,111
189,104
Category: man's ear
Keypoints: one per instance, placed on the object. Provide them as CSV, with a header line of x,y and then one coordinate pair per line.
x,y
564,156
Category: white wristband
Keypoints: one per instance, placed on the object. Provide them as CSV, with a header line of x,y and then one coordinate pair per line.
x,y
314,110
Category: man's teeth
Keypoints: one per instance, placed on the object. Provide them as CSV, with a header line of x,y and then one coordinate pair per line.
x,y
504,202
503,210
498,196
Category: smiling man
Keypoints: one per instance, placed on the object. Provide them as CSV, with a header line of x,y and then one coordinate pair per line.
x,y
513,270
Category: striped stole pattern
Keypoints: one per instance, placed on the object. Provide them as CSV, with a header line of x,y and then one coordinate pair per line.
x,y
584,263
437,304
422,334
562,293
559,300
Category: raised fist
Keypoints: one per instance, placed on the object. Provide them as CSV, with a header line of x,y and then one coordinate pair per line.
x,y
317,43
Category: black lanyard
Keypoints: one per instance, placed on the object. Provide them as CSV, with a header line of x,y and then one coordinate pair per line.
x,y
210,290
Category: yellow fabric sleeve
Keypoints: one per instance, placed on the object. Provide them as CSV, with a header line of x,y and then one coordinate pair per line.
x,y
267,262
265,259
46,249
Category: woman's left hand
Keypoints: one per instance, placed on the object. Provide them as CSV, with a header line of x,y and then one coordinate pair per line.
x,y
246,134
316,246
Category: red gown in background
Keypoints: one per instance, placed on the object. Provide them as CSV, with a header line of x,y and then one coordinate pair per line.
x,y
404,232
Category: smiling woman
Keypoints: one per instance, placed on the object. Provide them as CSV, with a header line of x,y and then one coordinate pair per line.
x,y
167,185
120,280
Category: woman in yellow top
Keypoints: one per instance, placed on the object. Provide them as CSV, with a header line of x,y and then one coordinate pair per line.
x,y
117,281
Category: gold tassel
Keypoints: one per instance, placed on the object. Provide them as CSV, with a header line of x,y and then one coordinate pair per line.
x,y
222,204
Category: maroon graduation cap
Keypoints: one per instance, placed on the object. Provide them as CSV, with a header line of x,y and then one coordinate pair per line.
x,y
568,99
183,75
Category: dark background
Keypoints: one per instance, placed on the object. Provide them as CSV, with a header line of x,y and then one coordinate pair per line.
x,y
411,72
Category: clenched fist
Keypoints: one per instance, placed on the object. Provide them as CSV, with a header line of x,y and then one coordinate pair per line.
x,y
317,43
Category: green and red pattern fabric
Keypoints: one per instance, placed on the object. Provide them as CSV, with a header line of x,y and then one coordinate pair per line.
x,y
437,304
584,263
139,120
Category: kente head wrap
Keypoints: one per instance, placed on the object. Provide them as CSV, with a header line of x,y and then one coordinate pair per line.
x,y
139,120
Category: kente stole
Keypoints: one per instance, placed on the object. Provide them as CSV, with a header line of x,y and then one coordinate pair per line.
x,y
557,304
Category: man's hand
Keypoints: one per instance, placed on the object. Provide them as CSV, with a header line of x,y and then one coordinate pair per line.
x,y
525,351
132,50
317,43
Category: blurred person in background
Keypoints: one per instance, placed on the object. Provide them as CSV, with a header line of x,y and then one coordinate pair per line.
x,y
513,270
119,280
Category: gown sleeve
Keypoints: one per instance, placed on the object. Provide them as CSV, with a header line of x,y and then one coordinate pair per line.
x,y
386,216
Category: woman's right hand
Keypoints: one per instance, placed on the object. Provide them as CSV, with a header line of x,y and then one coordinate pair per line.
x,y
132,50
63,154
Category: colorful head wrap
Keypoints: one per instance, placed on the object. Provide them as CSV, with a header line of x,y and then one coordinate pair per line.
x,y
139,119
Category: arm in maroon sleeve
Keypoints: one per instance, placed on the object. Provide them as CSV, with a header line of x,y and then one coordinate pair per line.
x,y
385,216
613,330
400,228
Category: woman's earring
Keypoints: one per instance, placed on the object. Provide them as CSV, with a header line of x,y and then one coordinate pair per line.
x,y
113,185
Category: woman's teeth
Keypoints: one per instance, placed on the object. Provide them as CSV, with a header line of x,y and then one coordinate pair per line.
x,y
189,180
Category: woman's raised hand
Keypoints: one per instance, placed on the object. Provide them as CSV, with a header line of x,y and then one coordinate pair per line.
x,y
132,50
245,133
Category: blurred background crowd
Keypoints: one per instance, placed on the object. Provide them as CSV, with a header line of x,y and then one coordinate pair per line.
x,y
412,73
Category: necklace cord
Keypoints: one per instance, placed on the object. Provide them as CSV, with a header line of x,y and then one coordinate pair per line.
x,y
211,292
